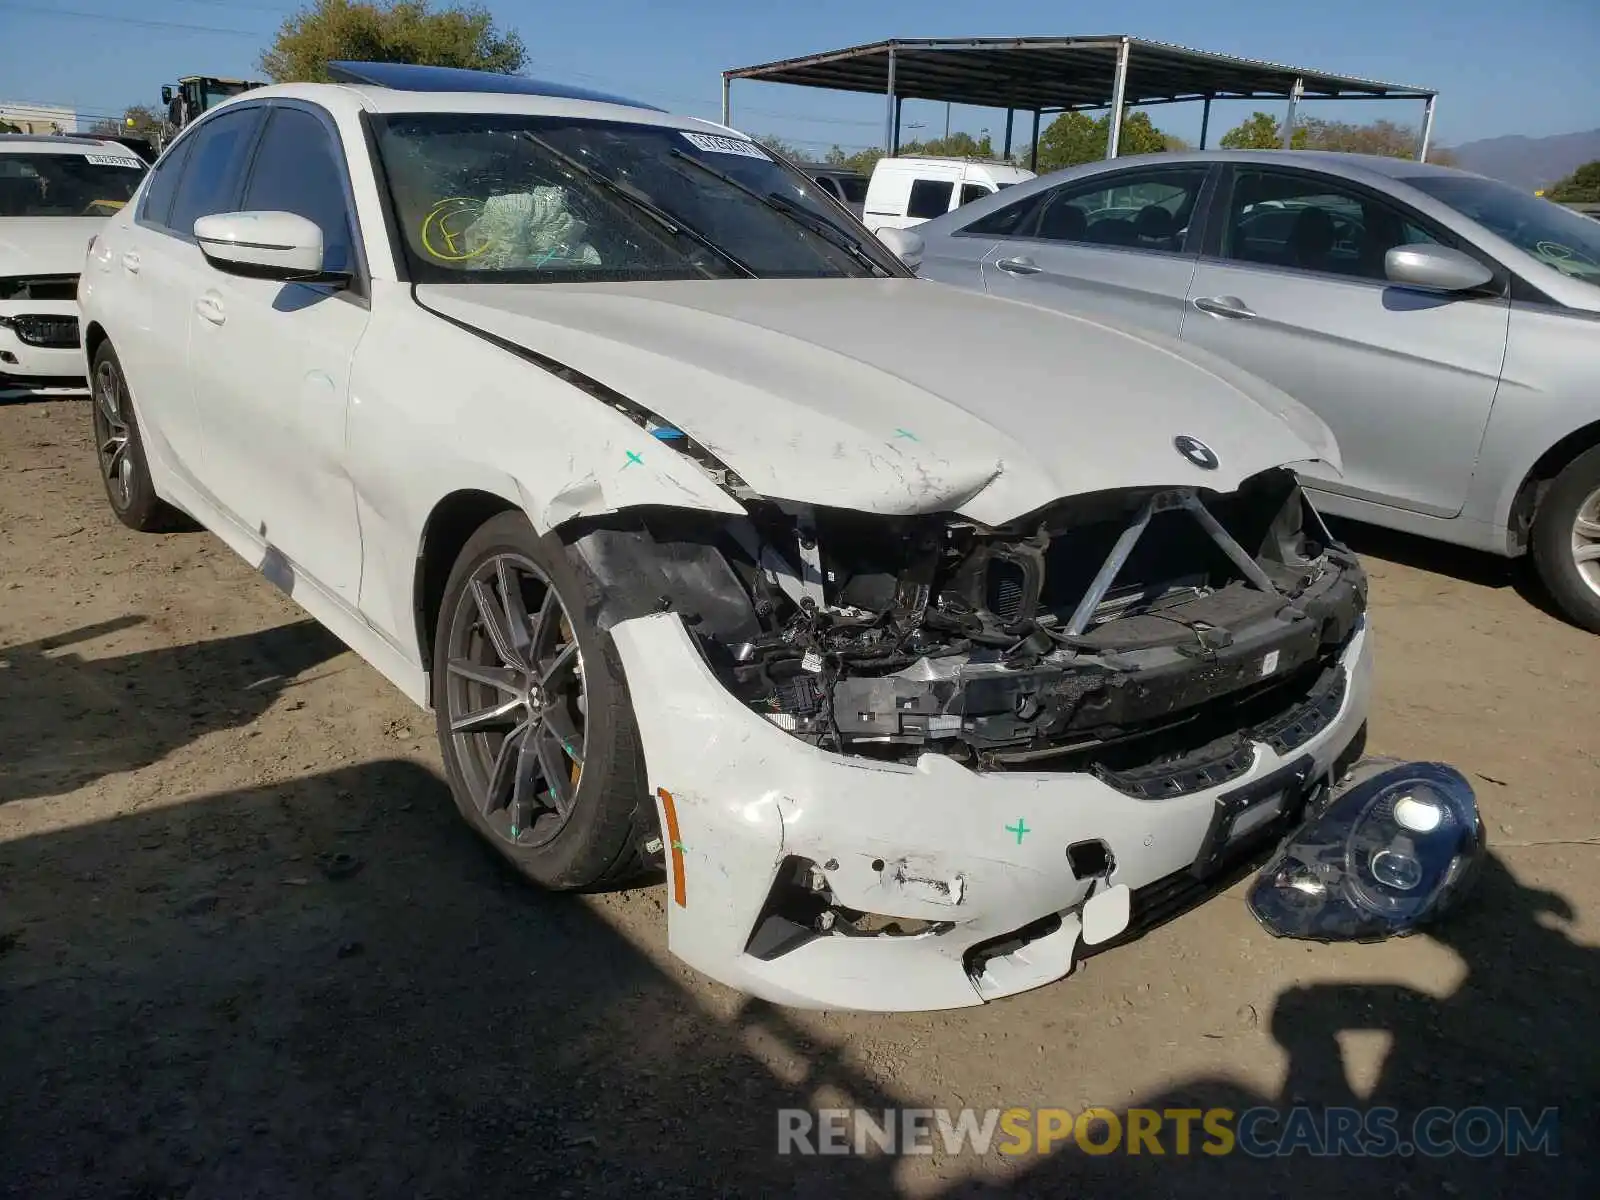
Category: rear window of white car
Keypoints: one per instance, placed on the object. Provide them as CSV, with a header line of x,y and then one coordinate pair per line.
x,y
67,185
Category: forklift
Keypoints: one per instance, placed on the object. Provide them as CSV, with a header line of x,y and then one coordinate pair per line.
x,y
197,93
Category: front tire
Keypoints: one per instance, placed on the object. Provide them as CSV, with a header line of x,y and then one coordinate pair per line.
x,y
1566,541
119,449
534,719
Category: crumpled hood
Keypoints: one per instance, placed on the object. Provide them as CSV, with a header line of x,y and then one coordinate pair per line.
x,y
45,245
900,395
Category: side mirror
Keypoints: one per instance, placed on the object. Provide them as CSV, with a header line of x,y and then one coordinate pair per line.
x,y
907,246
166,93
1437,268
265,245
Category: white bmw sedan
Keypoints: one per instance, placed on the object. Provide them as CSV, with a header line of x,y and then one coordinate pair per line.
x,y
693,518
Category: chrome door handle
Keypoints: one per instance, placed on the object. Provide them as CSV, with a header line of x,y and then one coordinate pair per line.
x,y
1224,306
210,309
130,263
1019,266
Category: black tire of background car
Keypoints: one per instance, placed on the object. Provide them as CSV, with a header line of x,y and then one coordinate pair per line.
x,y
144,510
1552,540
602,845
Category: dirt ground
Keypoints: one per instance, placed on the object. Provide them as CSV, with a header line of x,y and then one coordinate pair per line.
x,y
247,949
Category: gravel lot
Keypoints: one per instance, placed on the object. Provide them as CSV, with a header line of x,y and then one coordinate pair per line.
x,y
246,948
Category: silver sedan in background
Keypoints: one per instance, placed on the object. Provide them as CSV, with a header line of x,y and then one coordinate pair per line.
x,y
1445,326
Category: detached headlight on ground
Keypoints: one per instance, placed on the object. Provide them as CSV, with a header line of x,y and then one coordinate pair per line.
x,y
1393,849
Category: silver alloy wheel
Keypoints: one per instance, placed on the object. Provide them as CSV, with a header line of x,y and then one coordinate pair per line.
x,y
111,434
1586,541
515,700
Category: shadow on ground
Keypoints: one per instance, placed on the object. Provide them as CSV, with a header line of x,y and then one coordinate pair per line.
x,y
1441,558
326,988
124,711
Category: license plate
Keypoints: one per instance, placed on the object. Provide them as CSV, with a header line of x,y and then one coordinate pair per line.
x,y
1243,815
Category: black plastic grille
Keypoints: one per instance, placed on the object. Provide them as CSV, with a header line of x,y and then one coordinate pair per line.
x,y
59,333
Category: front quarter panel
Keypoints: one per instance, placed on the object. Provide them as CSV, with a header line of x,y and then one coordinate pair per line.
x,y
436,409
1549,389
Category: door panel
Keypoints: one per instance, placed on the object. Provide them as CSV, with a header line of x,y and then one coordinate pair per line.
x,y
1115,246
1404,378
269,365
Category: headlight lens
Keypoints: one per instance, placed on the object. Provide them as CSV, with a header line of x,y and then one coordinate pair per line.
x,y
1394,849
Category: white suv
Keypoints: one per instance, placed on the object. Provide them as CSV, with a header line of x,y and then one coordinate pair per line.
x,y
692,516
55,192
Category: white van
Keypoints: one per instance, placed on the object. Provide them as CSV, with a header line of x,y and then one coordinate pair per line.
x,y
907,191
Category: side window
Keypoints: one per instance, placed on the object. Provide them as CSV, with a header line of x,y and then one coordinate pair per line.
x,y
299,169
973,191
930,198
1137,210
1004,222
157,203
828,185
216,164
1313,223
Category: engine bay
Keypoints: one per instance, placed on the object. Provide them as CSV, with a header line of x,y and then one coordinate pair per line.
x,y
1145,635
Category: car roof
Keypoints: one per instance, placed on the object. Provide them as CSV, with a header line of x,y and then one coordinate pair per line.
x,y
350,99
1355,166
56,143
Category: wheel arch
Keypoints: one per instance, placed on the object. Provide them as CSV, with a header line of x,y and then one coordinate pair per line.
x,y
453,520
1535,481
94,336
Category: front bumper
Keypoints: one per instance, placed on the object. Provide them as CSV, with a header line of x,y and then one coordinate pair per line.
x,y
27,367
983,855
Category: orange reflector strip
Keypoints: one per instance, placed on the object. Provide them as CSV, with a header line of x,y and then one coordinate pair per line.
x,y
674,846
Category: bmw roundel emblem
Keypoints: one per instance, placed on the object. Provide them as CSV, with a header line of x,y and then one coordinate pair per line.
x,y
1196,451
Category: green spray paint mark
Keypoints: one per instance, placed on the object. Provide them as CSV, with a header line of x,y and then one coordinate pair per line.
x,y
632,458
905,433
680,847
1020,828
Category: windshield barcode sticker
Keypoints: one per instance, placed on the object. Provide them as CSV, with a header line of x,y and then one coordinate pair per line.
x,y
712,144
113,160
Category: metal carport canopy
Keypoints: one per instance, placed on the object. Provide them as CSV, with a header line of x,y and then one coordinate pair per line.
x,y
1061,74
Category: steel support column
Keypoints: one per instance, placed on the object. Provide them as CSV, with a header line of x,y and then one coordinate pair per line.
x,y
1427,130
1205,122
1288,121
1010,113
889,109
727,108
899,104
1118,91
1033,153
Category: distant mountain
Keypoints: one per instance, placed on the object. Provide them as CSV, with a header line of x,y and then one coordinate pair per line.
x,y
1530,163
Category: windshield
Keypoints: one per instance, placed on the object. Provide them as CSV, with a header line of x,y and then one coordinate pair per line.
x,y
67,185
1556,236
513,198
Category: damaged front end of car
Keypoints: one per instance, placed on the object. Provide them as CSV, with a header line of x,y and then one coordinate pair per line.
x,y
1147,636
917,761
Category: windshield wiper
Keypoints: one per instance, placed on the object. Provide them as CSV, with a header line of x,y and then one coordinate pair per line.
x,y
825,230
657,214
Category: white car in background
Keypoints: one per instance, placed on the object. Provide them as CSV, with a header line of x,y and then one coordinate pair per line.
x,y
689,512
907,191
55,192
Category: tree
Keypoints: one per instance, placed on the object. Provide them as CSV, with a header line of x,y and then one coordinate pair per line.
x,y
8,127
397,31
1581,187
1261,131
138,120
1075,137
778,146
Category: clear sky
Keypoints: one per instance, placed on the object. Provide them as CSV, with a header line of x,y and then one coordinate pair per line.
x,y
1502,66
